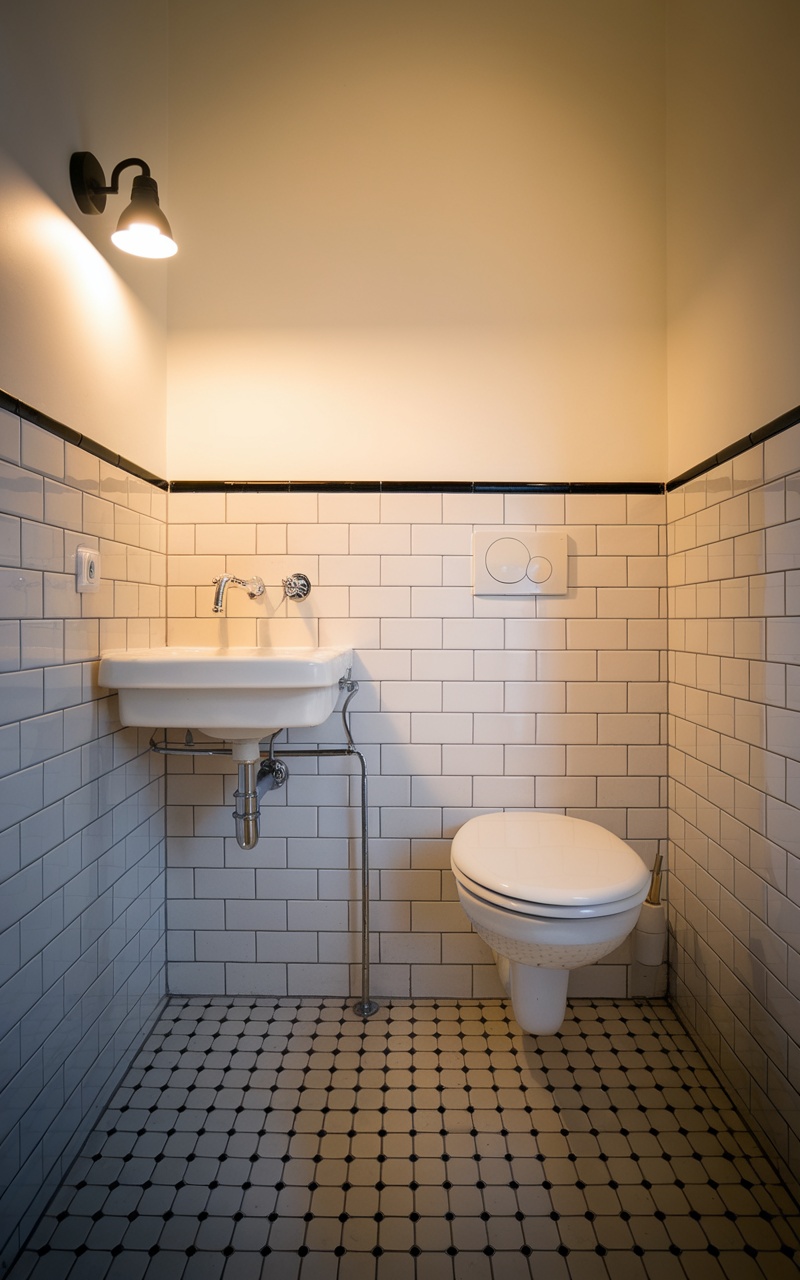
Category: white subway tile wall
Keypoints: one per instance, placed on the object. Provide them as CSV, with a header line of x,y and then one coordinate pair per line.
x,y
466,704
734,732
82,929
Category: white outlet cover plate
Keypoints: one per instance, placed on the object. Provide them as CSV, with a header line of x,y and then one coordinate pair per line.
x,y
87,569
515,561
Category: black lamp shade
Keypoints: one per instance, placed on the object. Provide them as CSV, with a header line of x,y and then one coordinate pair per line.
x,y
143,229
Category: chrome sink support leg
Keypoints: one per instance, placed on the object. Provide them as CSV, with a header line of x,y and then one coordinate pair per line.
x,y
364,1007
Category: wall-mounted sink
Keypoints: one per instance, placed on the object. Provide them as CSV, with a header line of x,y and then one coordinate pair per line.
x,y
239,695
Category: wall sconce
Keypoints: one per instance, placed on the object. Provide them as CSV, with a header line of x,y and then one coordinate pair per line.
x,y
142,229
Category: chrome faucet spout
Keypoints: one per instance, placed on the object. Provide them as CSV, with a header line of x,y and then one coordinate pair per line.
x,y
219,594
253,586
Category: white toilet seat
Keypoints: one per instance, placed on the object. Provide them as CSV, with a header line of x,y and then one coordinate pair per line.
x,y
527,907
547,864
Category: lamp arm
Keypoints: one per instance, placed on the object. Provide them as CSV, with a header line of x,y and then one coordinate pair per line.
x,y
113,189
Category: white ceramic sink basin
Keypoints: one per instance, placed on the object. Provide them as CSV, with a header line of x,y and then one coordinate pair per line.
x,y
239,695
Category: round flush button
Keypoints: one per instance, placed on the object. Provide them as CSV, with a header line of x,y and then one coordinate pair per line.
x,y
539,569
507,560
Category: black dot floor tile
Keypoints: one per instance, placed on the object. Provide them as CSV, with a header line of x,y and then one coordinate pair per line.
x,y
289,1140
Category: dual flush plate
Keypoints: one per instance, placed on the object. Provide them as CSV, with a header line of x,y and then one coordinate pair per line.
x,y
519,562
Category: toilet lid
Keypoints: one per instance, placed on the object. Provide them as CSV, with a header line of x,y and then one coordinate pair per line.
x,y
548,858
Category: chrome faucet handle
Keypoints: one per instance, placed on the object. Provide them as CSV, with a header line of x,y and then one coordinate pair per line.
x,y
296,587
254,588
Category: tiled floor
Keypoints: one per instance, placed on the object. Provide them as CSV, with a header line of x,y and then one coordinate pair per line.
x,y
289,1140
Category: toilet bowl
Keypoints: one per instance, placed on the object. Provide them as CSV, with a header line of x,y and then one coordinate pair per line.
x,y
548,894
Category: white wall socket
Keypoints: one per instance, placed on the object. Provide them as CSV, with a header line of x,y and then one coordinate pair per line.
x,y
512,561
87,569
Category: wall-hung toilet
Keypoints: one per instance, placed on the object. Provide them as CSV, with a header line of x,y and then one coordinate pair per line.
x,y
549,894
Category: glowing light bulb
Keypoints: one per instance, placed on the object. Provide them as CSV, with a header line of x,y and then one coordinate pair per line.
x,y
143,240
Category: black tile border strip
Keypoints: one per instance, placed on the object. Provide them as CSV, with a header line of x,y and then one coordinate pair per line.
x,y
411,486
789,419
71,436
786,420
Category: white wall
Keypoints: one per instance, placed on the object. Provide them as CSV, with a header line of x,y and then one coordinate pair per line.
x,y
420,241
734,542
734,210
466,704
82,921
448,250
83,325
734,734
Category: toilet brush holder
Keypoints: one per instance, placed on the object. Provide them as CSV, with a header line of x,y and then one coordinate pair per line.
x,y
650,933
